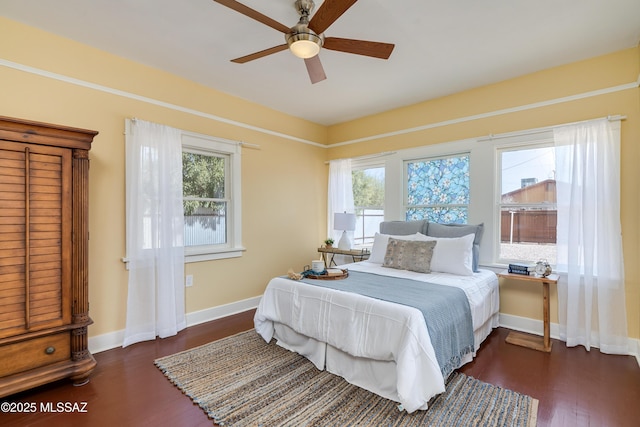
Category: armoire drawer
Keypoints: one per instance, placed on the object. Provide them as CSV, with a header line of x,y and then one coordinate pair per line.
x,y
34,353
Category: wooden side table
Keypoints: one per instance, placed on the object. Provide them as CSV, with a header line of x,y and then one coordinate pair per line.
x,y
355,254
527,340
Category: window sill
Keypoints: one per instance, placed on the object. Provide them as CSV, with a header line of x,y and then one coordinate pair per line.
x,y
209,256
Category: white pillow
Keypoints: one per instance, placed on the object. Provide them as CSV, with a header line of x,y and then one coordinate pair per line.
x,y
453,255
380,241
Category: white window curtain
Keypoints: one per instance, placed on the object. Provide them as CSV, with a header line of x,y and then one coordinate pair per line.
x,y
340,194
591,301
155,228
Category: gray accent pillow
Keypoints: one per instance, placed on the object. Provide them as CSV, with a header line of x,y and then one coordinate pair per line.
x,y
459,230
402,228
412,255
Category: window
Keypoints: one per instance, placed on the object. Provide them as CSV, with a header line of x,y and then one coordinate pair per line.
x,y
368,198
437,189
484,180
527,203
211,202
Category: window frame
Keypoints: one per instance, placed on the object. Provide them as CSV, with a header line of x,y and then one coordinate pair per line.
x,y
231,150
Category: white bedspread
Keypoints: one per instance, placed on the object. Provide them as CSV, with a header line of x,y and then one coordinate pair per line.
x,y
369,328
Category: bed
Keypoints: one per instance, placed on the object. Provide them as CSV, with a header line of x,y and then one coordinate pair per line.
x,y
378,339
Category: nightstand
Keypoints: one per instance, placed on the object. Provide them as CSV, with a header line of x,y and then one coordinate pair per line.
x,y
355,254
527,340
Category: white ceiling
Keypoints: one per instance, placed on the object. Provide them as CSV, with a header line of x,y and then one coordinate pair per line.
x,y
442,47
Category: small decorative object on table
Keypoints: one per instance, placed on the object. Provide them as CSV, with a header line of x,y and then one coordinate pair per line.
x,y
293,275
317,266
543,269
328,242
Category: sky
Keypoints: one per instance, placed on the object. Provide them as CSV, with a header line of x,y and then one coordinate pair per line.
x,y
531,163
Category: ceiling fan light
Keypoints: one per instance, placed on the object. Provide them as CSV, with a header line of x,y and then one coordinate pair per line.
x,y
304,45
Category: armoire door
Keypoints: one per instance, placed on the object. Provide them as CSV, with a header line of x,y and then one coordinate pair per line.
x,y
35,237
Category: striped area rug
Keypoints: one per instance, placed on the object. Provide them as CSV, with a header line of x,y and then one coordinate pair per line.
x,y
243,381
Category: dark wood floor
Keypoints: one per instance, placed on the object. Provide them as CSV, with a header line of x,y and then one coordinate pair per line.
x,y
575,388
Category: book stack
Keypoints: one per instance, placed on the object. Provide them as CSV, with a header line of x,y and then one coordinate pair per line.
x,y
334,272
524,269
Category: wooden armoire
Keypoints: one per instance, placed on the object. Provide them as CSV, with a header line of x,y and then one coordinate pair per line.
x,y
44,236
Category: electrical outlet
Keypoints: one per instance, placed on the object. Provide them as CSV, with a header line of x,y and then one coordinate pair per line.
x,y
189,281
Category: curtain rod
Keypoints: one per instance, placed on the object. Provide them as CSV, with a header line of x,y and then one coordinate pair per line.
x,y
366,156
240,143
491,137
249,145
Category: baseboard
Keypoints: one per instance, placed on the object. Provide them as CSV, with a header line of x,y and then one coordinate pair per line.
x,y
530,326
213,313
106,341
535,327
115,339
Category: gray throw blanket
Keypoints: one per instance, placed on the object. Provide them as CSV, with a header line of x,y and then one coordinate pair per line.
x,y
446,310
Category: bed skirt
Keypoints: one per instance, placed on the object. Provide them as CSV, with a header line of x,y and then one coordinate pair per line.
x,y
376,376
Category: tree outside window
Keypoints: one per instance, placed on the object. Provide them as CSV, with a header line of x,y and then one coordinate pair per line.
x,y
204,198
368,197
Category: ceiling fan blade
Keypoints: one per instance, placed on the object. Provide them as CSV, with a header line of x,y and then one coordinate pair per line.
x,y
328,13
315,70
260,54
359,47
247,11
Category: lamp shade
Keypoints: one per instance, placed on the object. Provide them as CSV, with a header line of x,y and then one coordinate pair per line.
x,y
304,48
344,221
303,42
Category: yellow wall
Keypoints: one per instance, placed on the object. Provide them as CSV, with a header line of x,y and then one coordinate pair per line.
x,y
597,74
283,218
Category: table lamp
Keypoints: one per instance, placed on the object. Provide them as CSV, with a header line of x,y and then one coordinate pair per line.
x,y
345,222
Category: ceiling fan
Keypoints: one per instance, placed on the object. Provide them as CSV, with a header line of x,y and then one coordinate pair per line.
x,y
306,38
